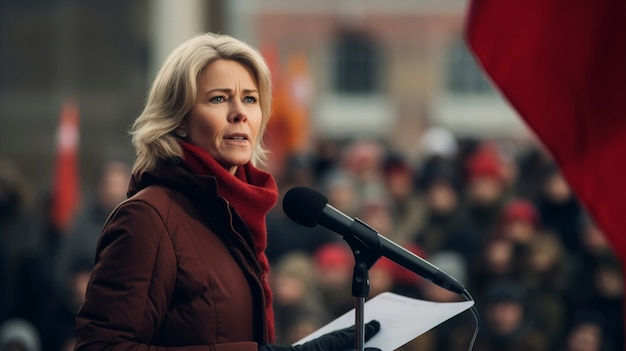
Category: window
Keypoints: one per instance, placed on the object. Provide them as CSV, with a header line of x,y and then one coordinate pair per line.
x,y
464,75
357,64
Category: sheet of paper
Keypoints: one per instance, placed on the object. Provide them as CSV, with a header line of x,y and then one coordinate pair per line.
x,y
401,318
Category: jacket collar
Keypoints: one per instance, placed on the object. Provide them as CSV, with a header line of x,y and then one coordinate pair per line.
x,y
170,173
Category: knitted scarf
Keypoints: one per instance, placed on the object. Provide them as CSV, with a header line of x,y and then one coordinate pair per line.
x,y
252,193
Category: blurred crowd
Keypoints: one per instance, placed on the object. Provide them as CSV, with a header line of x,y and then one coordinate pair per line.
x,y
495,214
44,269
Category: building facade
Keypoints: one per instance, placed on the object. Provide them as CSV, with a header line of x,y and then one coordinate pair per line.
x,y
372,69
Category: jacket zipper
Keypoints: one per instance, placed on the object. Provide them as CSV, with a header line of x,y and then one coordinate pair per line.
x,y
256,278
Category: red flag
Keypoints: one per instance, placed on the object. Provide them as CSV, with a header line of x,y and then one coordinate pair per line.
x,y
65,182
562,66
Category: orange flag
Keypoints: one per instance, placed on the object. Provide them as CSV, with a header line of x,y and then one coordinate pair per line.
x,y
65,182
288,128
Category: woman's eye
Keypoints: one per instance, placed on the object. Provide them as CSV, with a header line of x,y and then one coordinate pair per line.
x,y
250,99
218,99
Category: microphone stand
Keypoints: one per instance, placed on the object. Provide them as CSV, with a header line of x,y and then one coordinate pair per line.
x,y
366,252
360,291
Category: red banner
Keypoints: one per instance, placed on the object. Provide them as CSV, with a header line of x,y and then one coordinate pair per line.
x,y
562,65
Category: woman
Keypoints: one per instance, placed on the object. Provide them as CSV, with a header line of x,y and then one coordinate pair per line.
x,y
181,263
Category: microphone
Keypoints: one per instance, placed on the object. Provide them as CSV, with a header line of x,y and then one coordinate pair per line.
x,y
309,208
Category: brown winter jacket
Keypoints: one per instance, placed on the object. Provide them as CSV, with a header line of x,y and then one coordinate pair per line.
x,y
175,268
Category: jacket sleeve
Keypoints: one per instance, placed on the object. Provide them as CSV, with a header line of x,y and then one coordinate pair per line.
x,y
130,287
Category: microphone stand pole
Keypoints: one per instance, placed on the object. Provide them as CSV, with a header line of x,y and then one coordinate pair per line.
x,y
360,291
366,252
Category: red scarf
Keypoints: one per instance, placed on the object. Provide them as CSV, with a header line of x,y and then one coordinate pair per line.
x,y
252,193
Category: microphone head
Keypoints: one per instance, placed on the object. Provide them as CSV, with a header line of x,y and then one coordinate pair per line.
x,y
304,205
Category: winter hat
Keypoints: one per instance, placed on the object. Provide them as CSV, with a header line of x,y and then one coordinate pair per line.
x,y
402,275
20,332
297,265
452,263
395,163
485,162
504,291
437,170
334,255
521,210
438,141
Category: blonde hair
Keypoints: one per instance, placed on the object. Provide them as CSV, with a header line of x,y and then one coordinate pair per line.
x,y
174,92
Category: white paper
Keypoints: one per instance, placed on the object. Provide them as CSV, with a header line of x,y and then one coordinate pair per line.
x,y
401,318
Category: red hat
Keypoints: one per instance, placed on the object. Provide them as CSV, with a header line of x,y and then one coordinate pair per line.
x,y
334,255
520,210
401,275
485,163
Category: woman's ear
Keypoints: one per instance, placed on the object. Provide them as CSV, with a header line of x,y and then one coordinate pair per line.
x,y
181,130
181,133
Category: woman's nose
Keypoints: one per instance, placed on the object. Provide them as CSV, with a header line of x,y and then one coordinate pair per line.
x,y
237,112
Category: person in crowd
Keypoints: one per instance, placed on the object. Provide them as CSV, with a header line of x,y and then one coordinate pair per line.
x,y
405,282
284,235
444,227
408,206
496,261
325,156
57,322
607,297
434,143
559,209
376,209
181,263
586,333
341,189
297,302
443,336
80,243
18,334
382,277
594,248
595,283
543,273
532,162
519,222
363,159
21,247
507,322
486,190
453,264
333,265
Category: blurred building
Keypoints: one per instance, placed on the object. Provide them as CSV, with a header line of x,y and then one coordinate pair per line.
x,y
382,68
102,54
377,69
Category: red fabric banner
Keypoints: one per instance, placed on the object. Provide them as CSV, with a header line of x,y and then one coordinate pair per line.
x,y
562,65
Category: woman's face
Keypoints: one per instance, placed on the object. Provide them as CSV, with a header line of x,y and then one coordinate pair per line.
x,y
226,117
